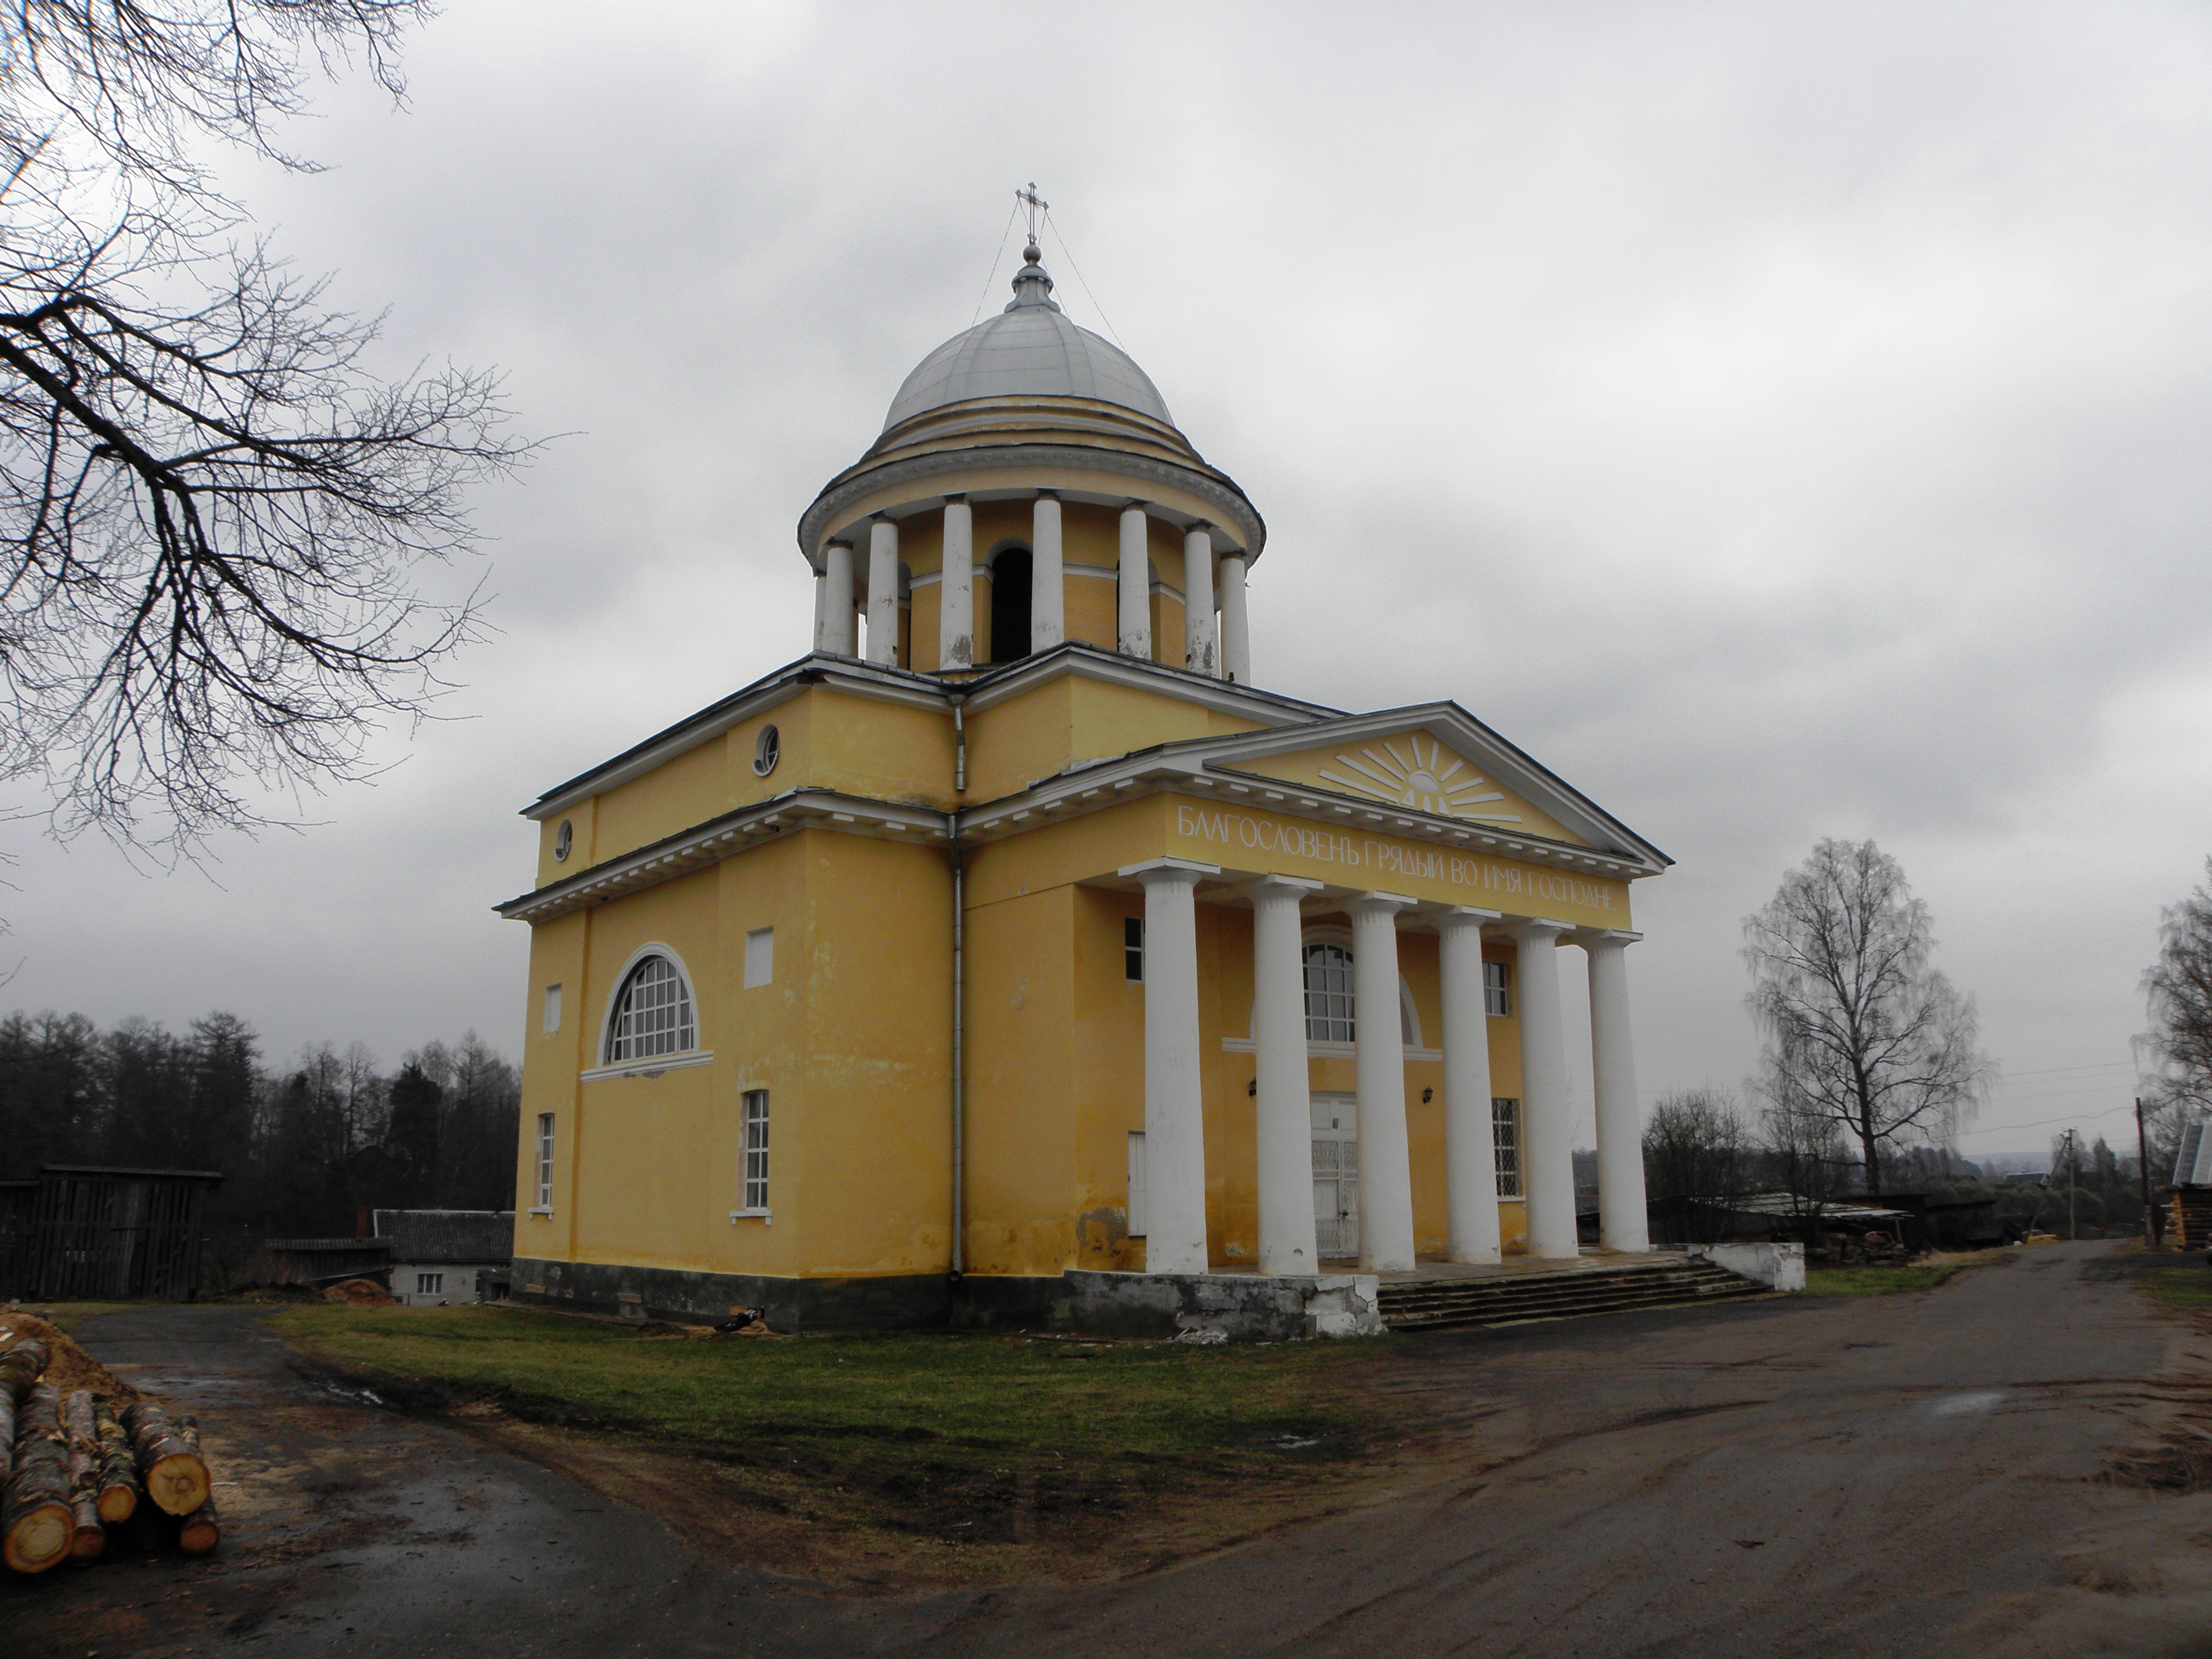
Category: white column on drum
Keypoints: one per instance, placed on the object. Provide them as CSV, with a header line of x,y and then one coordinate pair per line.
x,y
955,612
1201,655
838,626
1174,1110
1236,631
1548,1176
1283,1120
883,592
1623,1221
1135,583
1047,593
820,610
1378,1063
1470,1160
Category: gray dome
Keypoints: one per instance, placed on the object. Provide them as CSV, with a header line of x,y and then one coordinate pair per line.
x,y
1029,349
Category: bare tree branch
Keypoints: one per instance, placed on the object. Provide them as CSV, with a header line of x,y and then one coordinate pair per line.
x,y
213,510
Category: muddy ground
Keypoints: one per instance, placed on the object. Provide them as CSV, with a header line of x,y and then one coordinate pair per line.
x,y
2015,1463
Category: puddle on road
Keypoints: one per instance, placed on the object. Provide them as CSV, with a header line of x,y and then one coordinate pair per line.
x,y
1967,1405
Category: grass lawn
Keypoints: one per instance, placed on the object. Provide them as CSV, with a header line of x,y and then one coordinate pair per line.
x,y
963,1438
1894,1281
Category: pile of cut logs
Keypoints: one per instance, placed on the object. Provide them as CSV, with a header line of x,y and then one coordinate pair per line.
x,y
71,1471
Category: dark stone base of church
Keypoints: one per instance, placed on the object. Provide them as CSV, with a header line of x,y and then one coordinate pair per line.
x,y
1197,1307
906,1302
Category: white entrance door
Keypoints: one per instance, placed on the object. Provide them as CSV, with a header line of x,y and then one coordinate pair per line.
x,y
1336,1175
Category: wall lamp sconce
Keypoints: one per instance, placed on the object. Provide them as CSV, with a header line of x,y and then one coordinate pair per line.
x,y
1427,1095
1253,1088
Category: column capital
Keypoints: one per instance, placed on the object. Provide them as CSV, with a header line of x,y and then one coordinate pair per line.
x,y
1046,494
1295,886
1467,915
1379,904
1536,927
958,497
1135,504
1590,937
1152,870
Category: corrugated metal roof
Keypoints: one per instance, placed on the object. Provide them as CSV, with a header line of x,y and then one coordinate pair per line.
x,y
2192,1159
484,1236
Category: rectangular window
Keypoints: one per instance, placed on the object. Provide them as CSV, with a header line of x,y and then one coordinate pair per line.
x,y
552,1020
546,1160
1133,949
760,957
1137,1219
756,1153
1505,1142
429,1284
1493,990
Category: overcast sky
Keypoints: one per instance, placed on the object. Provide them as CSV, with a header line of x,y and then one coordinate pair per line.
x,y
1784,421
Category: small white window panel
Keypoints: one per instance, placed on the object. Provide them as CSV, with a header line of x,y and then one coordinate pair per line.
x,y
760,957
752,1158
1495,1002
1505,1144
653,1015
544,1164
552,1020
429,1284
1133,949
1328,993
1138,1219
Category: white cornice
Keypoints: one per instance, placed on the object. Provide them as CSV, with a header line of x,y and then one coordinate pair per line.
x,y
709,843
1270,708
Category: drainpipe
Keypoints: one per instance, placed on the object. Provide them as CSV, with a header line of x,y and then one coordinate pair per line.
x,y
959,978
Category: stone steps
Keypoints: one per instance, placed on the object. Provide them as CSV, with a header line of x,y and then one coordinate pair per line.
x,y
1435,1304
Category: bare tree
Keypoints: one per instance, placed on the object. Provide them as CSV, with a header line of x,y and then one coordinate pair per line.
x,y
1859,1028
1808,1152
1697,1161
2178,987
213,509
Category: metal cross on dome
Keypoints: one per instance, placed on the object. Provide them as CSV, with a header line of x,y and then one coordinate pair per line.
x,y
1035,205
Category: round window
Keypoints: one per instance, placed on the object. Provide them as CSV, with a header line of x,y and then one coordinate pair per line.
x,y
767,748
563,839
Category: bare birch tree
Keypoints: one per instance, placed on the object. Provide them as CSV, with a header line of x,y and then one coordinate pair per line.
x,y
2178,987
1859,1028
214,509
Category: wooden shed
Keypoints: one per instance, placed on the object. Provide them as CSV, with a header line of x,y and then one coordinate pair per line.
x,y
117,1234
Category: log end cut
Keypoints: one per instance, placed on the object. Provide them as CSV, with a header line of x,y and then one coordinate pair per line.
x,y
177,1483
39,1535
90,1539
200,1532
118,1503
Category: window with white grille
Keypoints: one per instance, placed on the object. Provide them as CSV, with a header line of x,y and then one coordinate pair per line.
x,y
1494,1000
1505,1142
546,1160
1328,993
754,1173
1133,949
653,1015
429,1284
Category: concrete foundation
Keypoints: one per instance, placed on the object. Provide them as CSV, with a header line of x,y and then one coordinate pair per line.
x,y
1778,1266
1230,1307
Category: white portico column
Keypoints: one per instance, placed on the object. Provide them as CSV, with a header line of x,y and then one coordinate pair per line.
x,y
1136,584
1284,1118
1048,591
882,591
1175,1117
1201,655
1378,1064
956,613
838,625
1236,632
1547,1174
1470,1158
821,611
1623,1223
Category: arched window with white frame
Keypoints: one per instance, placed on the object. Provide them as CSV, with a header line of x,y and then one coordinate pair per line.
x,y
1330,1015
652,1013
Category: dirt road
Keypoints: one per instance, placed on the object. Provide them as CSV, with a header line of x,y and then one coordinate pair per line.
x,y
2008,1464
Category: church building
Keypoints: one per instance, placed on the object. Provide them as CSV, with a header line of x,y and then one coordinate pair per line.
x,y
1016,956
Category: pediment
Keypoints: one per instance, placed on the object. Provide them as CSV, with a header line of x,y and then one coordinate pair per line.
x,y
1418,769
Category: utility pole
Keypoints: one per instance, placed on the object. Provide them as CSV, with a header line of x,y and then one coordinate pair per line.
x,y
2073,1233
2142,1169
